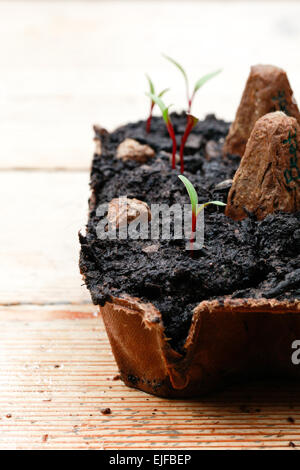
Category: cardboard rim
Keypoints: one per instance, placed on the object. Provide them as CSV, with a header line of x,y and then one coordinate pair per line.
x,y
229,340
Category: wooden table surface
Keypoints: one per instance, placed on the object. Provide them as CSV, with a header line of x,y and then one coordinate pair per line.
x,y
64,66
57,374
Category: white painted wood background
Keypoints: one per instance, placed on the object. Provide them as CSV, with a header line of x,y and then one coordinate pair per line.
x,y
66,65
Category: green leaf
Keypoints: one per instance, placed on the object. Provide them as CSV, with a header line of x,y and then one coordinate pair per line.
x,y
176,65
216,203
151,86
164,109
194,198
205,79
191,191
163,92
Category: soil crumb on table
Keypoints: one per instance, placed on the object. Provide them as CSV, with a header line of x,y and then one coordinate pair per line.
x,y
105,411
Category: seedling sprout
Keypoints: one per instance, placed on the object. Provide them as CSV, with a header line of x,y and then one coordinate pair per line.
x,y
196,207
152,103
191,120
198,84
165,114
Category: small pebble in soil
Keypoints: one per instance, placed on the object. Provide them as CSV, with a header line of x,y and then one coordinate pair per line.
x,y
150,249
105,411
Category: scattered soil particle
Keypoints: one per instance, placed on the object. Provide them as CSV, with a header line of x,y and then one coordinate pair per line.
x,y
244,409
117,377
243,259
291,420
105,411
9,415
45,437
292,444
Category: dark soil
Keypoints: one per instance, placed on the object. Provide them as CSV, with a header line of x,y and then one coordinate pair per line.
x,y
242,259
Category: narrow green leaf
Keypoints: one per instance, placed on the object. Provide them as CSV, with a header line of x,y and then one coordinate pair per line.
x,y
163,92
194,198
164,109
216,203
191,191
176,65
151,86
181,69
205,79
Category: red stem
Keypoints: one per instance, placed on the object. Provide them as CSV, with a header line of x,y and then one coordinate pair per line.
x,y
148,125
172,135
191,102
194,225
189,127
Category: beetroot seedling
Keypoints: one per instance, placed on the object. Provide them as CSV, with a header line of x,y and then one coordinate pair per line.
x,y
191,120
165,114
198,84
196,207
152,103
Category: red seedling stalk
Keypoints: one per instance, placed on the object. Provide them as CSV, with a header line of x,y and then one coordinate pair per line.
x,y
196,208
190,102
174,148
148,125
191,122
194,227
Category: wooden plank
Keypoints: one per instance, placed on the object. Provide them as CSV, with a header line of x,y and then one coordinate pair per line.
x,y
42,213
64,66
57,374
